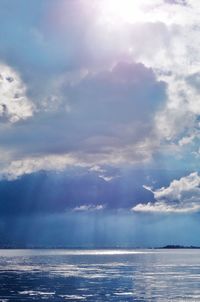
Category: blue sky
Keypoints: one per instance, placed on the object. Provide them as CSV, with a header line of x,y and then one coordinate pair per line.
x,y
100,121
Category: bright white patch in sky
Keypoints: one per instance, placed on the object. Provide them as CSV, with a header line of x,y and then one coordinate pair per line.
x,y
14,103
30,165
89,207
118,11
181,196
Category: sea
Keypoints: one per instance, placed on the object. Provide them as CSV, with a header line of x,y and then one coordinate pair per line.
x,y
100,275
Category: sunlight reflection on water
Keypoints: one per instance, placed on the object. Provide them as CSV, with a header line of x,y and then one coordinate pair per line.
x,y
99,275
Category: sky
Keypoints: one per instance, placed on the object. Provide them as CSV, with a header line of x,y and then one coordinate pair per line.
x,y
99,122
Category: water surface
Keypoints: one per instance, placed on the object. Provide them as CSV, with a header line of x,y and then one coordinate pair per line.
x,y
99,275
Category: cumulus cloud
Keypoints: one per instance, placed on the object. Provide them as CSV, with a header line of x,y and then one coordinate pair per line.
x,y
14,103
30,165
109,121
167,40
120,105
180,115
181,196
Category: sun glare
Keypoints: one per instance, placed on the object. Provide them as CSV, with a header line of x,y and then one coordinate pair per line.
x,y
122,11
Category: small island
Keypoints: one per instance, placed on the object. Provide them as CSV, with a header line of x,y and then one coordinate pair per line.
x,y
172,246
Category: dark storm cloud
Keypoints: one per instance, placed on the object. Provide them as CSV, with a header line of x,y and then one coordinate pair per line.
x,y
106,110
57,193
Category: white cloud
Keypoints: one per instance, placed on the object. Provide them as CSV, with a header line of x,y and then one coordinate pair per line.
x,y
181,196
89,208
14,103
30,165
161,207
168,41
186,140
102,173
179,118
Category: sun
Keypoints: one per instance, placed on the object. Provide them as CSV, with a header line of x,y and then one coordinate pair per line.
x,y
117,11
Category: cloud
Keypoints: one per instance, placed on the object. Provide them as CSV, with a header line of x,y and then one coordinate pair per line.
x,y
186,140
120,105
180,115
85,96
14,103
89,208
160,207
109,120
179,2
102,173
61,187
181,196
30,165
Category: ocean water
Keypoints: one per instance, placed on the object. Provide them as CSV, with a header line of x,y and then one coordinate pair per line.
x,y
99,275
